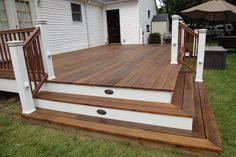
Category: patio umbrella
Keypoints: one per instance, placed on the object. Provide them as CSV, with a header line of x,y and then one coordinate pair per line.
x,y
213,10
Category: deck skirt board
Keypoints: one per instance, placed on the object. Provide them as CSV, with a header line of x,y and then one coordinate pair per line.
x,y
123,66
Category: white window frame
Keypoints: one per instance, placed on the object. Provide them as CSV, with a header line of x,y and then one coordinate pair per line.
x,y
75,21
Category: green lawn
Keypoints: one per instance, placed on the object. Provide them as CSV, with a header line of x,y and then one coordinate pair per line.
x,y
21,138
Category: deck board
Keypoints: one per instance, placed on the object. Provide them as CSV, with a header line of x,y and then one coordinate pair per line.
x,y
125,66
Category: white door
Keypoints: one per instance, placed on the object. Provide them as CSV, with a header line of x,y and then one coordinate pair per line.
x,y
18,13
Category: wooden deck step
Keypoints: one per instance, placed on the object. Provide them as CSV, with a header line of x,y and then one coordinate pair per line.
x,y
122,104
141,132
183,96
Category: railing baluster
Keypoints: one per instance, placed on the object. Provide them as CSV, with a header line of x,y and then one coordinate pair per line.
x,y
9,35
40,55
1,59
32,66
36,58
189,43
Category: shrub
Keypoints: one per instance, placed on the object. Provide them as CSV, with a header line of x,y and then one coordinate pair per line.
x,y
154,38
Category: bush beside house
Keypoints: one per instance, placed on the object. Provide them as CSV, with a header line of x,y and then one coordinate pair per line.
x,y
154,38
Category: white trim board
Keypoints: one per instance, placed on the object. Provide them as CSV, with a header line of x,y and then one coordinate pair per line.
x,y
116,114
8,85
119,93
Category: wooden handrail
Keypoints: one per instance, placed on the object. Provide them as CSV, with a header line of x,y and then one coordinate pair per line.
x,y
34,61
23,30
189,30
10,35
187,46
31,37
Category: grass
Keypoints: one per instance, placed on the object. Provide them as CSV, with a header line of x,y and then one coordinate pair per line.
x,y
21,138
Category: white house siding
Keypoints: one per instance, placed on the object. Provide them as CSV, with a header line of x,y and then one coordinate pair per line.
x,y
64,35
129,21
144,6
95,25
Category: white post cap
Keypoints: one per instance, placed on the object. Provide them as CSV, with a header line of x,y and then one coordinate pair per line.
x,y
176,17
202,30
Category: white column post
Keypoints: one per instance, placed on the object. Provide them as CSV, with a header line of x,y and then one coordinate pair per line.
x,y
174,38
47,58
200,55
140,35
21,75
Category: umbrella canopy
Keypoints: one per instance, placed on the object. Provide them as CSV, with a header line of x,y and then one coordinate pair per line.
x,y
213,10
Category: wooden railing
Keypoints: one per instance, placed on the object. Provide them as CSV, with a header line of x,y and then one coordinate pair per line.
x,y
9,35
187,46
34,62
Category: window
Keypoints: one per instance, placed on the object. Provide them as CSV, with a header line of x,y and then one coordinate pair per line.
x,y
148,28
3,16
76,12
24,13
149,13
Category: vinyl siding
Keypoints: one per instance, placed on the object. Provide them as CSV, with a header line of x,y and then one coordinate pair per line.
x,y
95,25
65,35
144,6
129,21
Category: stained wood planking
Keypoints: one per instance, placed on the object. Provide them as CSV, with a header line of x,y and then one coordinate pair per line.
x,y
211,129
204,136
127,66
7,75
198,122
130,105
131,132
178,95
188,99
121,123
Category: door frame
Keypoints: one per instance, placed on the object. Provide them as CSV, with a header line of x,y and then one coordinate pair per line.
x,y
107,25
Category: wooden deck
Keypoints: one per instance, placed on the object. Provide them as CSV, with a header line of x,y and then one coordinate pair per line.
x,y
203,137
130,66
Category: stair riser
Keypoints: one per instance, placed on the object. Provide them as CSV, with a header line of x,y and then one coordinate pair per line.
x,y
120,93
8,85
123,115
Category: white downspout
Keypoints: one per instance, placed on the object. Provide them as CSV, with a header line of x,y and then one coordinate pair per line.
x,y
86,21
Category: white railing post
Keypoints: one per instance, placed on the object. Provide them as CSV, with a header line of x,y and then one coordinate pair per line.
x,y
21,76
47,58
174,39
201,55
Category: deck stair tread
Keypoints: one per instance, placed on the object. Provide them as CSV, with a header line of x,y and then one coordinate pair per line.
x,y
204,135
122,104
182,139
183,96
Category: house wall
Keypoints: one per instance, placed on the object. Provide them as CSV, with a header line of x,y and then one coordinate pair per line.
x,y
144,6
65,35
95,25
129,21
